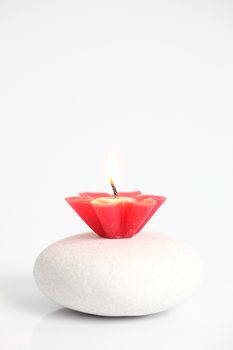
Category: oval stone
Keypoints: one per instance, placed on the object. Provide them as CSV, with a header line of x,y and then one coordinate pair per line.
x,y
142,275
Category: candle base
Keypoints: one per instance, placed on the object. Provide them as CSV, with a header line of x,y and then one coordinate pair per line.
x,y
142,275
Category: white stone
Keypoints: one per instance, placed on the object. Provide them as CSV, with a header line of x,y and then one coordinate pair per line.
x,y
118,277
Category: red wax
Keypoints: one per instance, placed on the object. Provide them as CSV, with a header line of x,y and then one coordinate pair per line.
x,y
111,217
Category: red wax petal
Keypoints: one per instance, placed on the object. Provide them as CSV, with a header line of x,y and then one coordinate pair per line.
x,y
85,210
133,194
137,215
158,201
110,217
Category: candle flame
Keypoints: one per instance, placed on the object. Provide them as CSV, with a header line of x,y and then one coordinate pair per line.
x,y
113,168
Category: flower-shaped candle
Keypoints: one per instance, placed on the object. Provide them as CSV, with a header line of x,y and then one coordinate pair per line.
x,y
119,216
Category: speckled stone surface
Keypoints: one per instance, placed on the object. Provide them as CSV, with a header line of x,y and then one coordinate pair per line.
x,y
142,275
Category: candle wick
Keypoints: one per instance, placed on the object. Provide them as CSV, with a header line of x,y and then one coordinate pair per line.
x,y
113,188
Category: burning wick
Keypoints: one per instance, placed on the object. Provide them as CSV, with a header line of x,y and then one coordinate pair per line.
x,y
113,188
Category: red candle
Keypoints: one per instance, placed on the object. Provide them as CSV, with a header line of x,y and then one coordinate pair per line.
x,y
115,217
120,215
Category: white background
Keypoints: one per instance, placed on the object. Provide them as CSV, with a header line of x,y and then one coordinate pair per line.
x,y
154,79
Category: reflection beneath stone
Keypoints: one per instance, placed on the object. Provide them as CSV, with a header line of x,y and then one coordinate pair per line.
x,y
67,329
